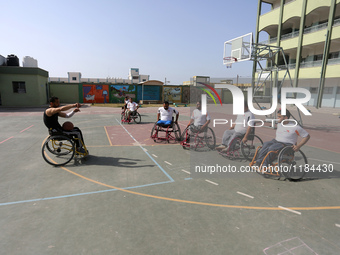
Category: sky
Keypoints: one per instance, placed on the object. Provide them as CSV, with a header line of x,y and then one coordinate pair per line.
x,y
175,39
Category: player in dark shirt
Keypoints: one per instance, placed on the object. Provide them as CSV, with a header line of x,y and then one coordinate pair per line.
x,y
51,120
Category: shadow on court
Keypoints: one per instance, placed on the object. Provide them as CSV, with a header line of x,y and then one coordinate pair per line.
x,y
112,161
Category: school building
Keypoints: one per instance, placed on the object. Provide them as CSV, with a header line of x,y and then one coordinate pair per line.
x,y
309,33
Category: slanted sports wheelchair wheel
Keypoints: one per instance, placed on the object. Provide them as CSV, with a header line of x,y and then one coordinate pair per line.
x,y
154,133
234,148
177,131
248,149
292,163
58,150
136,118
210,138
185,138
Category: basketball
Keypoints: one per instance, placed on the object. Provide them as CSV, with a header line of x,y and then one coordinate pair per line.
x,y
68,126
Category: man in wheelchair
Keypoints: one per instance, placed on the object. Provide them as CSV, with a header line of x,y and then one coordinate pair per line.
x,y
131,108
286,135
164,115
239,129
198,121
51,120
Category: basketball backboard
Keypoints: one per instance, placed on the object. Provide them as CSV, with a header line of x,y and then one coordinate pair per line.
x,y
238,49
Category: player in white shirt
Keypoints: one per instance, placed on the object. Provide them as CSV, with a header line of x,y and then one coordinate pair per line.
x,y
164,114
286,135
239,129
126,101
200,122
131,107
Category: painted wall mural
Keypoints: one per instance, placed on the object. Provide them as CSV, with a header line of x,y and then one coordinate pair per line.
x,y
95,93
172,94
119,92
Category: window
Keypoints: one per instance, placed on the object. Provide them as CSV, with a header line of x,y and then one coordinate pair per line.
x,y
74,78
19,87
318,57
334,55
314,90
144,79
328,91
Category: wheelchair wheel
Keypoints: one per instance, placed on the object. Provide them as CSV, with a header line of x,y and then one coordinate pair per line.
x,y
136,118
210,138
154,132
58,150
249,148
185,138
235,147
177,131
292,163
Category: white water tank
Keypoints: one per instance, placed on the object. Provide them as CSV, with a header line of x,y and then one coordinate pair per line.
x,y
29,62
3,60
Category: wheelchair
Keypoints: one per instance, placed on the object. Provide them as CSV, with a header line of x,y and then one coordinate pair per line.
x,y
60,148
192,138
239,150
171,132
135,117
287,164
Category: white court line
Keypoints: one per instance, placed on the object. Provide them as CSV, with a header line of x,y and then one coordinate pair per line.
x,y
154,155
211,182
243,194
185,171
166,162
138,143
321,160
337,225
289,210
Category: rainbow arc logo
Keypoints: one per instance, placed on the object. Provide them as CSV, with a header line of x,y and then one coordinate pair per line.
x,y
209,93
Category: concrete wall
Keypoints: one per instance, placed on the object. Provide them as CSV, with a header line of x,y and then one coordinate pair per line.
x,y
66,92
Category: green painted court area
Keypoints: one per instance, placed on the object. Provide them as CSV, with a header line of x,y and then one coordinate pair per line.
x,y
135,196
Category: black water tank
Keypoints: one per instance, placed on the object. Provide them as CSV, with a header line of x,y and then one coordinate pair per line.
x,y
12,60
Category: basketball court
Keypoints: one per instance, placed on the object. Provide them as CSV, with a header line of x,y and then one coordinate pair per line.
x,y
135,196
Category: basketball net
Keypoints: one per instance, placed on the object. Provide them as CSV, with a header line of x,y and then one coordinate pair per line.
x,y
230,62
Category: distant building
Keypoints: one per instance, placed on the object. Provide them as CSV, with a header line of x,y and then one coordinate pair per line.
x,y
23,86
76,77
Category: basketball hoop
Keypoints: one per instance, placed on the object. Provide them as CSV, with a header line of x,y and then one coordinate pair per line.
x,y
228,61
